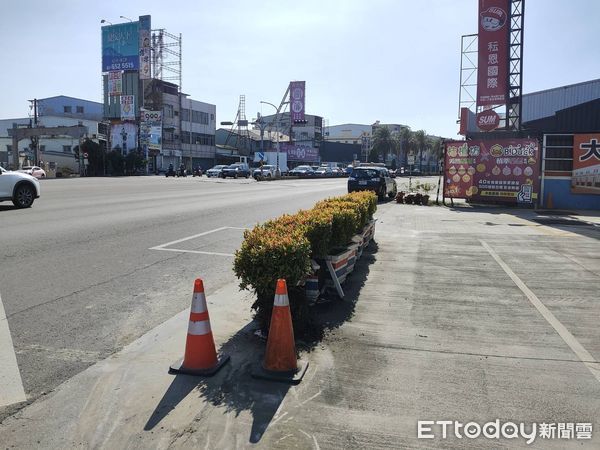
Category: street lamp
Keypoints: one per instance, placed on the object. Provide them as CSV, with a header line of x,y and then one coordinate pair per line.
x,y
278,171
127,18
105,21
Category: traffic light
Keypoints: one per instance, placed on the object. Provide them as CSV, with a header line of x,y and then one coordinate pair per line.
x,y
76,152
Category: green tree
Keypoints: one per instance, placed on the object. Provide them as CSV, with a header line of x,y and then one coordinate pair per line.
x,y
383,142
404,140
115,163
95,158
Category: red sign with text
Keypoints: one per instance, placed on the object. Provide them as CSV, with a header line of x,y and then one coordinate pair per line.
x,y
493,42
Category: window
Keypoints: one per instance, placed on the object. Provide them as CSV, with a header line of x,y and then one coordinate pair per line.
x,y
66,149
200,117
67,109
168,111
559,153
9,148
79,109
42,148
212,117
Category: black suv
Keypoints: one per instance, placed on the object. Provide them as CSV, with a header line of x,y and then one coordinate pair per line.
x,y
373,178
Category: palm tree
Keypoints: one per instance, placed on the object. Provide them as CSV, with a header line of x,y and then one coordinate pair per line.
x,y
421,142
404,138
383,142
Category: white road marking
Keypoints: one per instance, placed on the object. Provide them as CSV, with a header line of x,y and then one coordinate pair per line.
x,y
584,356
193,251
11,388
178,241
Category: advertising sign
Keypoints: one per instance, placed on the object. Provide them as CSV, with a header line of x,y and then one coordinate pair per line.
x,y
297,99
120,47
151,130
115,83
586,164
497,170
145,47
488,120
301,153
493,42
127,107
123,136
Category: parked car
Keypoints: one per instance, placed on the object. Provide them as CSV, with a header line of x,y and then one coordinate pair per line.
x,y
266,171
337,172
302,171
19,187
373,178
236,170
34,171
215,171
324,172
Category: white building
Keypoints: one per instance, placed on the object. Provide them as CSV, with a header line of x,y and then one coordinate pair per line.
x,y
55,152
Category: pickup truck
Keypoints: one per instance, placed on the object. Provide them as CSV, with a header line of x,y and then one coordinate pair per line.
x,y
236,170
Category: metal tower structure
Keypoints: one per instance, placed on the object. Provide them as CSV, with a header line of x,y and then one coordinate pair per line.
x,y
515,64
166,56
239,129
468,72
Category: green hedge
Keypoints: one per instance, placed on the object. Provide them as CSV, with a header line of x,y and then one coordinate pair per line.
x,y
283,248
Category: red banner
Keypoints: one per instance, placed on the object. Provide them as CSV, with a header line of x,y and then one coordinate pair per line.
x,y
493,43
586,164
500,170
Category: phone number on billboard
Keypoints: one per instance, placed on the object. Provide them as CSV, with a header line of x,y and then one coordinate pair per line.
x,y
121,66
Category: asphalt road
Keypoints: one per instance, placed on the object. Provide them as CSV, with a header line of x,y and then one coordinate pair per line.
x,y
80,278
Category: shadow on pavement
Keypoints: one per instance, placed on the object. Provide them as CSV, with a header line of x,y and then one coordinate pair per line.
x,y
232,387
180,387
573,222
332,314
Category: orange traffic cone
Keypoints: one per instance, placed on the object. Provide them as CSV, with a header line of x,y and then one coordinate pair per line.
x,y
200,354
280,363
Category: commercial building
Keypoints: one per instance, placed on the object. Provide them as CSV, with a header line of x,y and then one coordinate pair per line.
x,y
308,134
565,121
147,113
51,151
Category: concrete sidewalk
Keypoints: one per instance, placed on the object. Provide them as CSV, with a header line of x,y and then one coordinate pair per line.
x,y
466,314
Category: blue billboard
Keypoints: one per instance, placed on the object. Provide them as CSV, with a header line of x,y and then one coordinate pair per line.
x,y
121,47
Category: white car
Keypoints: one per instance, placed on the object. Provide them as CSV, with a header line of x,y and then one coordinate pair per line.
x,y
216,171
19,187
266,171
34,171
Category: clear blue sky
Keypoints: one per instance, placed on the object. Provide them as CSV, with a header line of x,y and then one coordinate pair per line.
x,y
396,61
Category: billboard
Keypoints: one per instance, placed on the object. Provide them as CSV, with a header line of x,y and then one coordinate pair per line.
x,y
145,48
127,107
297,100
504,170
123,136
115,83
302,153
151,130
120,47
586,164
493,48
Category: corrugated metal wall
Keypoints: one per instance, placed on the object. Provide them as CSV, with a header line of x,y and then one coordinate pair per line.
x,y
545,103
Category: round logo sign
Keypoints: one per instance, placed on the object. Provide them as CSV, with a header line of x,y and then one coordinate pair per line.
x,y
488,120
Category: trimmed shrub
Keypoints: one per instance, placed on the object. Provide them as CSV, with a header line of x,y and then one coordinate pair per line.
x,y
283,248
